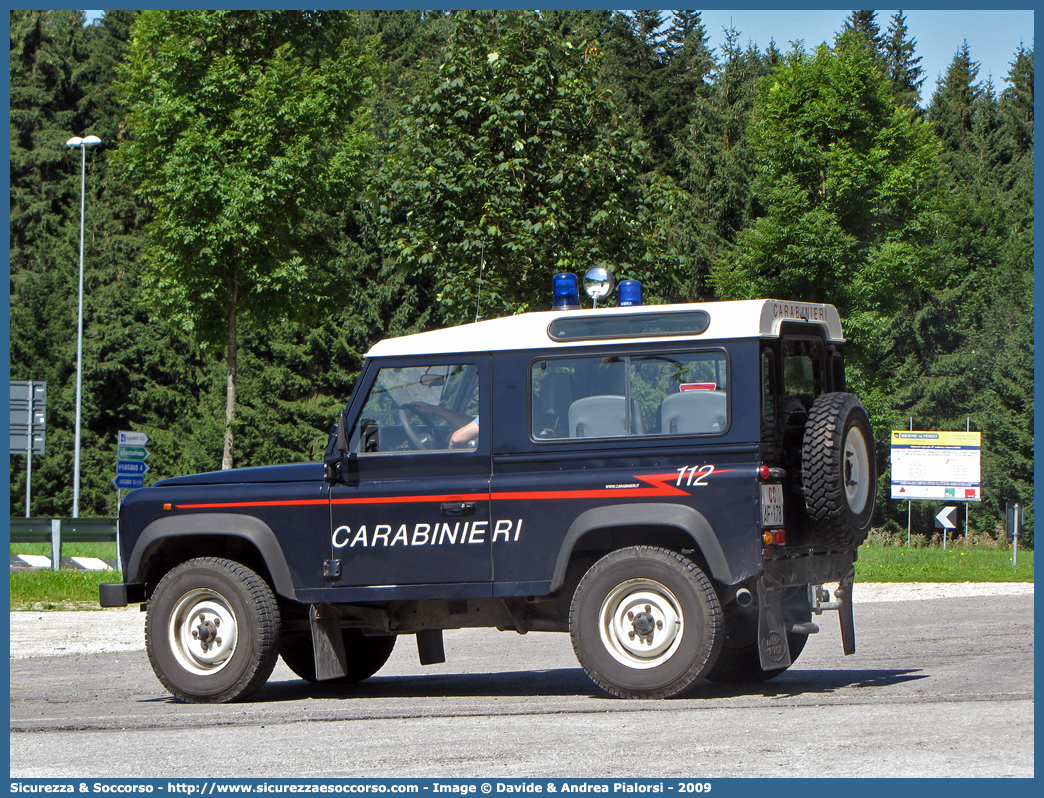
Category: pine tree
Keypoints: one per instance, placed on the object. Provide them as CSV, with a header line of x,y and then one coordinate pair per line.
x,y
680,90
970,353
902,65
952,109
862,26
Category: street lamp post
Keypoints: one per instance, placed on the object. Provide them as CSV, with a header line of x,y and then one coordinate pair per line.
x,y
83,144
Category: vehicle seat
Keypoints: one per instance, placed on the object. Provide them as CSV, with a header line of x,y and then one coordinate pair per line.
x,y
691,412
549,406
601,417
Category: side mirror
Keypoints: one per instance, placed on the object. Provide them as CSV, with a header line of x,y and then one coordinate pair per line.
x,y
342,432
336,448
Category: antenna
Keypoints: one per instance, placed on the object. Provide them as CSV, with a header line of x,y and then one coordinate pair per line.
x,y
482,265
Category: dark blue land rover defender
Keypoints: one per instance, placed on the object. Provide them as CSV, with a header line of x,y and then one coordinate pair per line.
x,y
679,487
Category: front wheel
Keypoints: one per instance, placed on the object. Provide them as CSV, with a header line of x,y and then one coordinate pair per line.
x,y
212,631
645,623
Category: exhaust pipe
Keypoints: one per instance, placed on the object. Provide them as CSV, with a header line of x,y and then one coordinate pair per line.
x,y
744,598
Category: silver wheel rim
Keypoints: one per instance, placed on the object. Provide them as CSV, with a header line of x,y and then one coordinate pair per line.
x,y
202,632
641,623
856,470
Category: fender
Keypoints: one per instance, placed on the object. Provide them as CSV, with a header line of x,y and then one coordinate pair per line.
x,y
244,526
678,516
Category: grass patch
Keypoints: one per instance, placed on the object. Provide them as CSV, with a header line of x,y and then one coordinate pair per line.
x,y
103,551
980,564
42,589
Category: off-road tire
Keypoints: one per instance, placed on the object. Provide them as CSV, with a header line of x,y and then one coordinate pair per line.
x,y
365,655
240,625
838,471
670,605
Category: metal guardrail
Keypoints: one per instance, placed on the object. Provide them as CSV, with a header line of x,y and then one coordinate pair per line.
x,y
57,530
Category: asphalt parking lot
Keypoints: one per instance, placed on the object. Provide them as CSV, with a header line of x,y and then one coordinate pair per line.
x,y
940,685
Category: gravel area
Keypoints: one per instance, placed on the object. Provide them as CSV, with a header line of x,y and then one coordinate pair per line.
x,y
56,633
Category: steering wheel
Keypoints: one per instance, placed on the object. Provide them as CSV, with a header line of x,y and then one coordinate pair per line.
x,y
417,441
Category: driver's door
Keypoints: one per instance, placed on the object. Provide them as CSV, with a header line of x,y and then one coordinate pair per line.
x,y
410,510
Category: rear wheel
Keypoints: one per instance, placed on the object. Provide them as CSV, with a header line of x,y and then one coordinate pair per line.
x,y
645,623
365,655
211,631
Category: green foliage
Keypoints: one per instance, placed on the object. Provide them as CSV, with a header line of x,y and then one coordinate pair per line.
x,y
507,169
345,176
902,66
247,127
844,177
245,131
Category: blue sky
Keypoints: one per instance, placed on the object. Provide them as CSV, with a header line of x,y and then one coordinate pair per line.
x,y
992,36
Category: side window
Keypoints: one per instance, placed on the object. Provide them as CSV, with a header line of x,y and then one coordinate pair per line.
x,y
419,408
804,374
768,385
622,396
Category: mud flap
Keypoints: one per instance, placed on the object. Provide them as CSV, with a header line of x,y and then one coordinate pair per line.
x,y
331,661
844,595
430,647
772,630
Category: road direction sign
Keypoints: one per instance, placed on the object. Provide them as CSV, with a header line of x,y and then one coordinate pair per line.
x,y
131,468
945,517
28,415
132,453
124,482
132,438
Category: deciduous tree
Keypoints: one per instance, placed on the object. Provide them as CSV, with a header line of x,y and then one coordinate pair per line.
x,y
248,127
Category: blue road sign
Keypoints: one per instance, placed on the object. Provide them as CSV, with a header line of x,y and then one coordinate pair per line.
x,y
131,468
129,483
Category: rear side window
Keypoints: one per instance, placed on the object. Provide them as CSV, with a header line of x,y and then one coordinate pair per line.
x,y
619,396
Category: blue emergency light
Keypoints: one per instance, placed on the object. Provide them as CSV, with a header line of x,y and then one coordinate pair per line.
x,y
630,293
567,292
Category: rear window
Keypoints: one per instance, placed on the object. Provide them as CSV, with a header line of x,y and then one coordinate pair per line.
x,y
804,372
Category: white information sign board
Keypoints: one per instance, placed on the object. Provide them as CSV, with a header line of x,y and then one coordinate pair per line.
x,y
936,466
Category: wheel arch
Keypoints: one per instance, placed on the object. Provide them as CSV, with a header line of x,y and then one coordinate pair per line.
x,y
619,525
167,541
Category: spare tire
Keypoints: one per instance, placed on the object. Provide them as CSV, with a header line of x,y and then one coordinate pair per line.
x,y
838,471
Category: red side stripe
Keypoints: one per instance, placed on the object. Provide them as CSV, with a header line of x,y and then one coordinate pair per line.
x,y
657,481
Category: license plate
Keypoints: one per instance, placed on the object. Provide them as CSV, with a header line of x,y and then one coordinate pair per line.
x,y
771,505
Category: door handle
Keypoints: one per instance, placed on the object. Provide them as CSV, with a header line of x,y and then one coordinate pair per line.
x,y
459,508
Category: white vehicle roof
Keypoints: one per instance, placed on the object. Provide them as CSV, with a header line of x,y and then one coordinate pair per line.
x,y
753,318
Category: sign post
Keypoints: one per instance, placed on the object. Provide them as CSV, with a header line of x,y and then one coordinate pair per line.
x,y
1012,522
